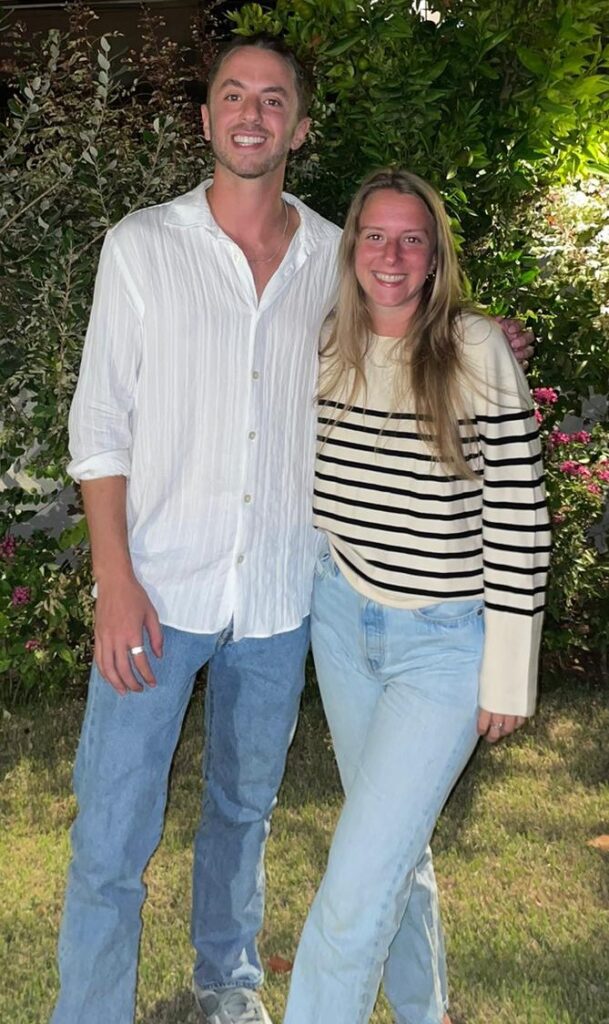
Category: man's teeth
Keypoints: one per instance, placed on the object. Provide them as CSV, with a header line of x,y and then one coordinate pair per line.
x,y
248,140
390,278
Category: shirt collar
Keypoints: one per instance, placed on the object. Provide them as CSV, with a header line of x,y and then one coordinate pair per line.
x,y
192,210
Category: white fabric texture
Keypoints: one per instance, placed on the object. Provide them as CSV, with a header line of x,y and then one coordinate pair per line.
x,y
203,397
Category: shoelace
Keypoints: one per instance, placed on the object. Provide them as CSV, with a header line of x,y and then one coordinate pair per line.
x,y
242,1008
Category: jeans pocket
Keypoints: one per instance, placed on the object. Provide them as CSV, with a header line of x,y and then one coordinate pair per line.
x,y
325,566
451,614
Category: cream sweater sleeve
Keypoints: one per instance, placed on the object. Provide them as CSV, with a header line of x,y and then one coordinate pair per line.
x,y
515,525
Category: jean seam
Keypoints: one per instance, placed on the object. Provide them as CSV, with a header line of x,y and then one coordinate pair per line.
x,y
376,965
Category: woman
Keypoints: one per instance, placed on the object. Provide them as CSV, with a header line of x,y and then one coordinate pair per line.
x,y
428,597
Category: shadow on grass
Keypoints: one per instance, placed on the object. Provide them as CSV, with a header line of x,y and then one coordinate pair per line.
x,y
180,1007
570,981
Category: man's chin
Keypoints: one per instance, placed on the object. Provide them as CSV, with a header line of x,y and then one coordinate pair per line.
x,y
252,171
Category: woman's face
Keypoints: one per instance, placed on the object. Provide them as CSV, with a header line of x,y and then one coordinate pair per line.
x,y
394,253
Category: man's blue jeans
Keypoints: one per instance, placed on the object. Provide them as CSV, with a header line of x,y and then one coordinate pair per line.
x,y
120,777
400,691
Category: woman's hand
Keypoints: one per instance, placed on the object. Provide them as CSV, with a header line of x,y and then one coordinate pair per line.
x,y
493,726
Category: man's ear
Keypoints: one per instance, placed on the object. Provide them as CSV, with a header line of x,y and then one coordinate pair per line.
x,y
205,120
300,133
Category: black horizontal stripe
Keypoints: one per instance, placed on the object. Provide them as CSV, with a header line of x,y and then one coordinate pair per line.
x,y
397,471
514,506
327,403
506,417
412,590
426,573
381,432
358,542
419,456
530,612
537,549
517,527
386,488
522,592
505,439
520,570
528,460
397,528
415,514
509,484
378,431
340,500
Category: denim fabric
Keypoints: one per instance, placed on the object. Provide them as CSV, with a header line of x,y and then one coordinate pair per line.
x,y
121,773
400,690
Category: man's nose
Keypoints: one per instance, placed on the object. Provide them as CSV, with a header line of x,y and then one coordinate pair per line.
x,y
252,110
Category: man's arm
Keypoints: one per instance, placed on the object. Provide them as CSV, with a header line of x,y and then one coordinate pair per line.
x,y
520,339
123,610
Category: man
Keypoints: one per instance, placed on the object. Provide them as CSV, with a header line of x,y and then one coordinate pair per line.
x,y
192,434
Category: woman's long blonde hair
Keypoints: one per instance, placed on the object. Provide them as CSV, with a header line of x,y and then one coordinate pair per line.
x,y
428,357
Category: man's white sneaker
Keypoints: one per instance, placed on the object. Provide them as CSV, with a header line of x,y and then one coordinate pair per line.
x,y
230,1006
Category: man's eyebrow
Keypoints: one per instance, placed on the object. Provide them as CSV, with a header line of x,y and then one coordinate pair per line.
x,y
239,85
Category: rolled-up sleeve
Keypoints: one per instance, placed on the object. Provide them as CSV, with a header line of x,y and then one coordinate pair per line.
x,y
100,416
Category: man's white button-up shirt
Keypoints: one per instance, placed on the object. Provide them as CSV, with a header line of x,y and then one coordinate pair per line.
x,y
203,397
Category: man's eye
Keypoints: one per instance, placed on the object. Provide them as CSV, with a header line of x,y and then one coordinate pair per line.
x,y
273,102
232,96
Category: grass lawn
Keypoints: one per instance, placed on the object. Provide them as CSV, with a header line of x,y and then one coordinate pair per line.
x,y
525,900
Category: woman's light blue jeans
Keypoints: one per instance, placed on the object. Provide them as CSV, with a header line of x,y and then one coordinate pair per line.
x,y
400,690
121,773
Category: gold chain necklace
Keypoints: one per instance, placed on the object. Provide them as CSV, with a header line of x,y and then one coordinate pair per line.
x,y
267,259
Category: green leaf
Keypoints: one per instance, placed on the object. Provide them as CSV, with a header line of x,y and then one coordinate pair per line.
x,y
532,61
341,47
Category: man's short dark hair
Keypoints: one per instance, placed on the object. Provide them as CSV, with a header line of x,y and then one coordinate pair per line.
x,y
274,44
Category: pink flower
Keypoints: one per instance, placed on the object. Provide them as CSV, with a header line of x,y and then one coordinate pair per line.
x,y
602,473
538,416
558,437
21,595
572,468
8,546
32,645
594,489
582,436
545,396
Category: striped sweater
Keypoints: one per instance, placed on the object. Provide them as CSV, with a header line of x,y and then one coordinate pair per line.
x,y
407,533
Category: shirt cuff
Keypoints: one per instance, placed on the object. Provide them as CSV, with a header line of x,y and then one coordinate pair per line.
x,y
117,463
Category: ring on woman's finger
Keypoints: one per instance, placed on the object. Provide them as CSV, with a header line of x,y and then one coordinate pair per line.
x,y
497,725
136,650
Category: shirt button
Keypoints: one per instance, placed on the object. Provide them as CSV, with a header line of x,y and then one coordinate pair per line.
x,y
252,435
255,375
241,560
247,498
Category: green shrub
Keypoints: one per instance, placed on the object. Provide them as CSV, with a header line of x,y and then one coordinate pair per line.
x,y
502,104
46,615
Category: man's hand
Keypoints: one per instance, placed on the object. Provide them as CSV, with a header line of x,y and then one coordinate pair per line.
x,y
493,726
123,612
520,339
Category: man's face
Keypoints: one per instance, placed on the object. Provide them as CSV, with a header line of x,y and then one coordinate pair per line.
x,y
251,116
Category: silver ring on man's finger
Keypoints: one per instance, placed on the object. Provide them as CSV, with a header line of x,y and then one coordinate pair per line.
x,y
136,650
